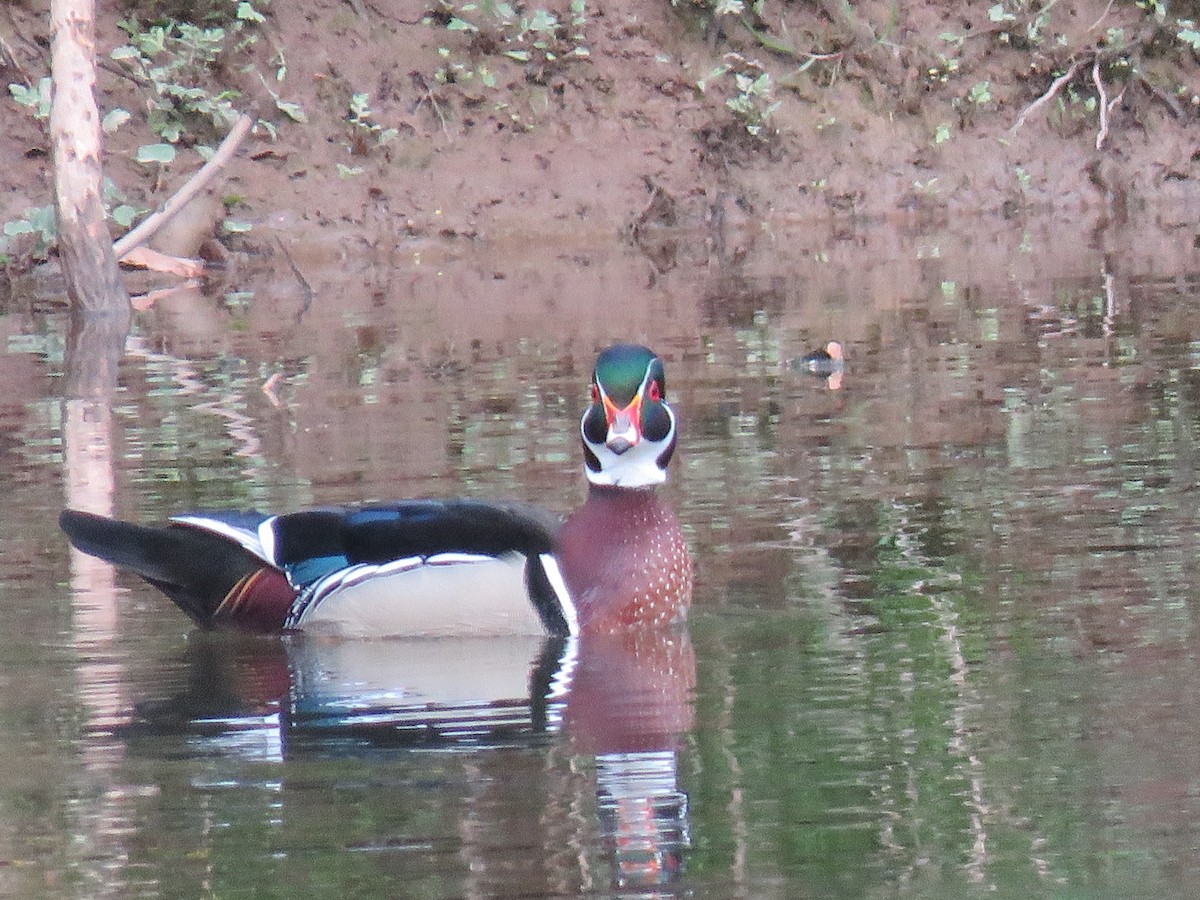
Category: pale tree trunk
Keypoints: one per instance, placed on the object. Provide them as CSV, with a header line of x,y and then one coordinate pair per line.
x,y
93,279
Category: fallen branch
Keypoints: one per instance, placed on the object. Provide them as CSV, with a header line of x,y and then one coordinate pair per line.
x,y
1051,93
150,225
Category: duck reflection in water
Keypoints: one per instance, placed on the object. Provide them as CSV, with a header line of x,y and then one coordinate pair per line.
x,y
621,704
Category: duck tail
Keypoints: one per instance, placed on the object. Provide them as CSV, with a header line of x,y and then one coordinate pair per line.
x,y
210,577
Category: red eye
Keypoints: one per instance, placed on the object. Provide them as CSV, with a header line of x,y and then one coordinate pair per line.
x,y
595,393
655,392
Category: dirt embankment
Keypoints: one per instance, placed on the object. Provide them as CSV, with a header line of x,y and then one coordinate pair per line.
x,y
474,130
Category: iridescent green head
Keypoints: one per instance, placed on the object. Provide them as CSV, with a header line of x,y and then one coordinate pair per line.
x,y
628,430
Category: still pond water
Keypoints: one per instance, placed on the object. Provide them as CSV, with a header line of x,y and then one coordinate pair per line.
x,y
945,637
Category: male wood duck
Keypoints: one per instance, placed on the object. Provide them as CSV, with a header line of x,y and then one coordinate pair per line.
x,y
443,567
823,362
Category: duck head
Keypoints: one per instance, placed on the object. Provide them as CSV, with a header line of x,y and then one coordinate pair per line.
x,y
628,429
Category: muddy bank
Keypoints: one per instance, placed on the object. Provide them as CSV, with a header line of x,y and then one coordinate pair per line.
x,y
907,114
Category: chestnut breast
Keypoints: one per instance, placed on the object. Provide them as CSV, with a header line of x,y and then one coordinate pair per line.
x,y
625,561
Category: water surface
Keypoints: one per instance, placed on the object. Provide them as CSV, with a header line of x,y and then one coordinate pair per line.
x,y
944,641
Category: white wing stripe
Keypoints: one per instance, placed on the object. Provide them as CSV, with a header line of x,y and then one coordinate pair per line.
x,y
554,574
242,536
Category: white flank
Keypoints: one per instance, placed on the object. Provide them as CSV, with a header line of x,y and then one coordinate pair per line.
x,y
451,594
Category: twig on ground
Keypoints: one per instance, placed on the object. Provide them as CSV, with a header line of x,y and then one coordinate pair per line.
x,y
6,53
1103,133
1103,16
437,109
1051,92
152,223
1170,102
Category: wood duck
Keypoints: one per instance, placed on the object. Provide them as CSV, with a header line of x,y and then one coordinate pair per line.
x,y
823,362
443,567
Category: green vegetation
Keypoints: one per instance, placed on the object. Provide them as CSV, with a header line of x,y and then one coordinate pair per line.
x,y
749,93
365,132
542,40
185,73
781,48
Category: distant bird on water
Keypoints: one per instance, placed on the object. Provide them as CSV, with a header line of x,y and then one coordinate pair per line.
x,y
823,362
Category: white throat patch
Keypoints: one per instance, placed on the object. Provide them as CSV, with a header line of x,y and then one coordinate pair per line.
x,y
636,467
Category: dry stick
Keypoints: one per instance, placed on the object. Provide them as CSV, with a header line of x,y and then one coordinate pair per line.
x,y
1103,16
152,223
1103,103
1055,87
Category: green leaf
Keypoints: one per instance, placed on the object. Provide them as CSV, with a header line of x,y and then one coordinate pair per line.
x,y
156,153
542,21
457,24
345,171
292,110
233,226
36,98
114,119
1191,37
247,13
998,13
124,215
17,226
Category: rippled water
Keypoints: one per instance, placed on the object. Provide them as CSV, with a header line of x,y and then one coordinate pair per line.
x,y
945,637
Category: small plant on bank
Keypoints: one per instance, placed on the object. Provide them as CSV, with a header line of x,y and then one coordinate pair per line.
x,y
750,93
34,234
36,98
177,61
540,39
365,132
